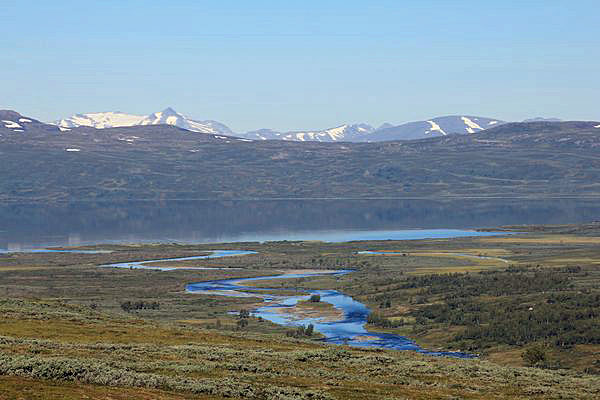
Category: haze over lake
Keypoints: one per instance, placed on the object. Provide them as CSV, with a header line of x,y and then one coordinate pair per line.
x,y
34,225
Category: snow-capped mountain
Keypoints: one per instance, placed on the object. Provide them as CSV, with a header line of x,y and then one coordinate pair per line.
x,y
343,133
167,116
12,121
439,126
171,117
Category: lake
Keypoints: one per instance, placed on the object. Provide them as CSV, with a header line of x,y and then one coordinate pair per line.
x,y
77,223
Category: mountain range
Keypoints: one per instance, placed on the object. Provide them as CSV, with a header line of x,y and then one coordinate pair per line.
x,y
152,162
439,126
359,132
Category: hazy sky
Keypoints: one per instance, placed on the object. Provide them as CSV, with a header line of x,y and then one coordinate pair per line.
x,y
302,64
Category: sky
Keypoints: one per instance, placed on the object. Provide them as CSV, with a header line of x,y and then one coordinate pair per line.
x,y
302,64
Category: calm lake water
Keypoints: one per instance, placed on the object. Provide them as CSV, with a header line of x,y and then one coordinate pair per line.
x,y
36,225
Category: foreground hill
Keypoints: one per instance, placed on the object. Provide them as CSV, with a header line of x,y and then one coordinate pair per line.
x,y
121,357
537,159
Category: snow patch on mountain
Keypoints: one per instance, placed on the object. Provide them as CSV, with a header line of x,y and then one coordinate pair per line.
x,y
470,125
11,124
435,127
336,133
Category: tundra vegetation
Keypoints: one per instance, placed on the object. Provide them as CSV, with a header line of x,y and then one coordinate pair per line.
x,y
530,310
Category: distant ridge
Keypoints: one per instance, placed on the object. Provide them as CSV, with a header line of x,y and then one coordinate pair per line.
x,y
438,126
542,119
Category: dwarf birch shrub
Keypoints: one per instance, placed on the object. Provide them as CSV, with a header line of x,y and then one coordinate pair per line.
x,y
94,372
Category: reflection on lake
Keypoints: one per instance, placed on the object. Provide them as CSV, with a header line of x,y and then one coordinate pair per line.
x,y
36,225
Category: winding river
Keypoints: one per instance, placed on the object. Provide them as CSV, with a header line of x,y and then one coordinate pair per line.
x,y
213,254
350,329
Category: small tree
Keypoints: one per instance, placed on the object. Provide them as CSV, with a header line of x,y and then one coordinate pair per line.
x,y
126,306
309,330
315,298
534,356
242,323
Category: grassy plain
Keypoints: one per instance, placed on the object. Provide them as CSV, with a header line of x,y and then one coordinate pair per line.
x,y
64,333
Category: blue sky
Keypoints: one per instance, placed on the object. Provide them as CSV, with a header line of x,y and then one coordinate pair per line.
x,y
302,64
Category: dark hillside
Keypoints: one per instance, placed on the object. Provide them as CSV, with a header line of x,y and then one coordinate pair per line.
x,y
537,159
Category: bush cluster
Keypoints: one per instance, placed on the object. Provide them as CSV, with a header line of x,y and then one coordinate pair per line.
x,y
139,305
383,322
301,331
529,307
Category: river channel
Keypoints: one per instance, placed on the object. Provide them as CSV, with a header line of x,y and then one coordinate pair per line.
x,y
349,330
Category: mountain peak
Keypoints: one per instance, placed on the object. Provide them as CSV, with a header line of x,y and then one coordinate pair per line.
x,y
385,125
169,111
